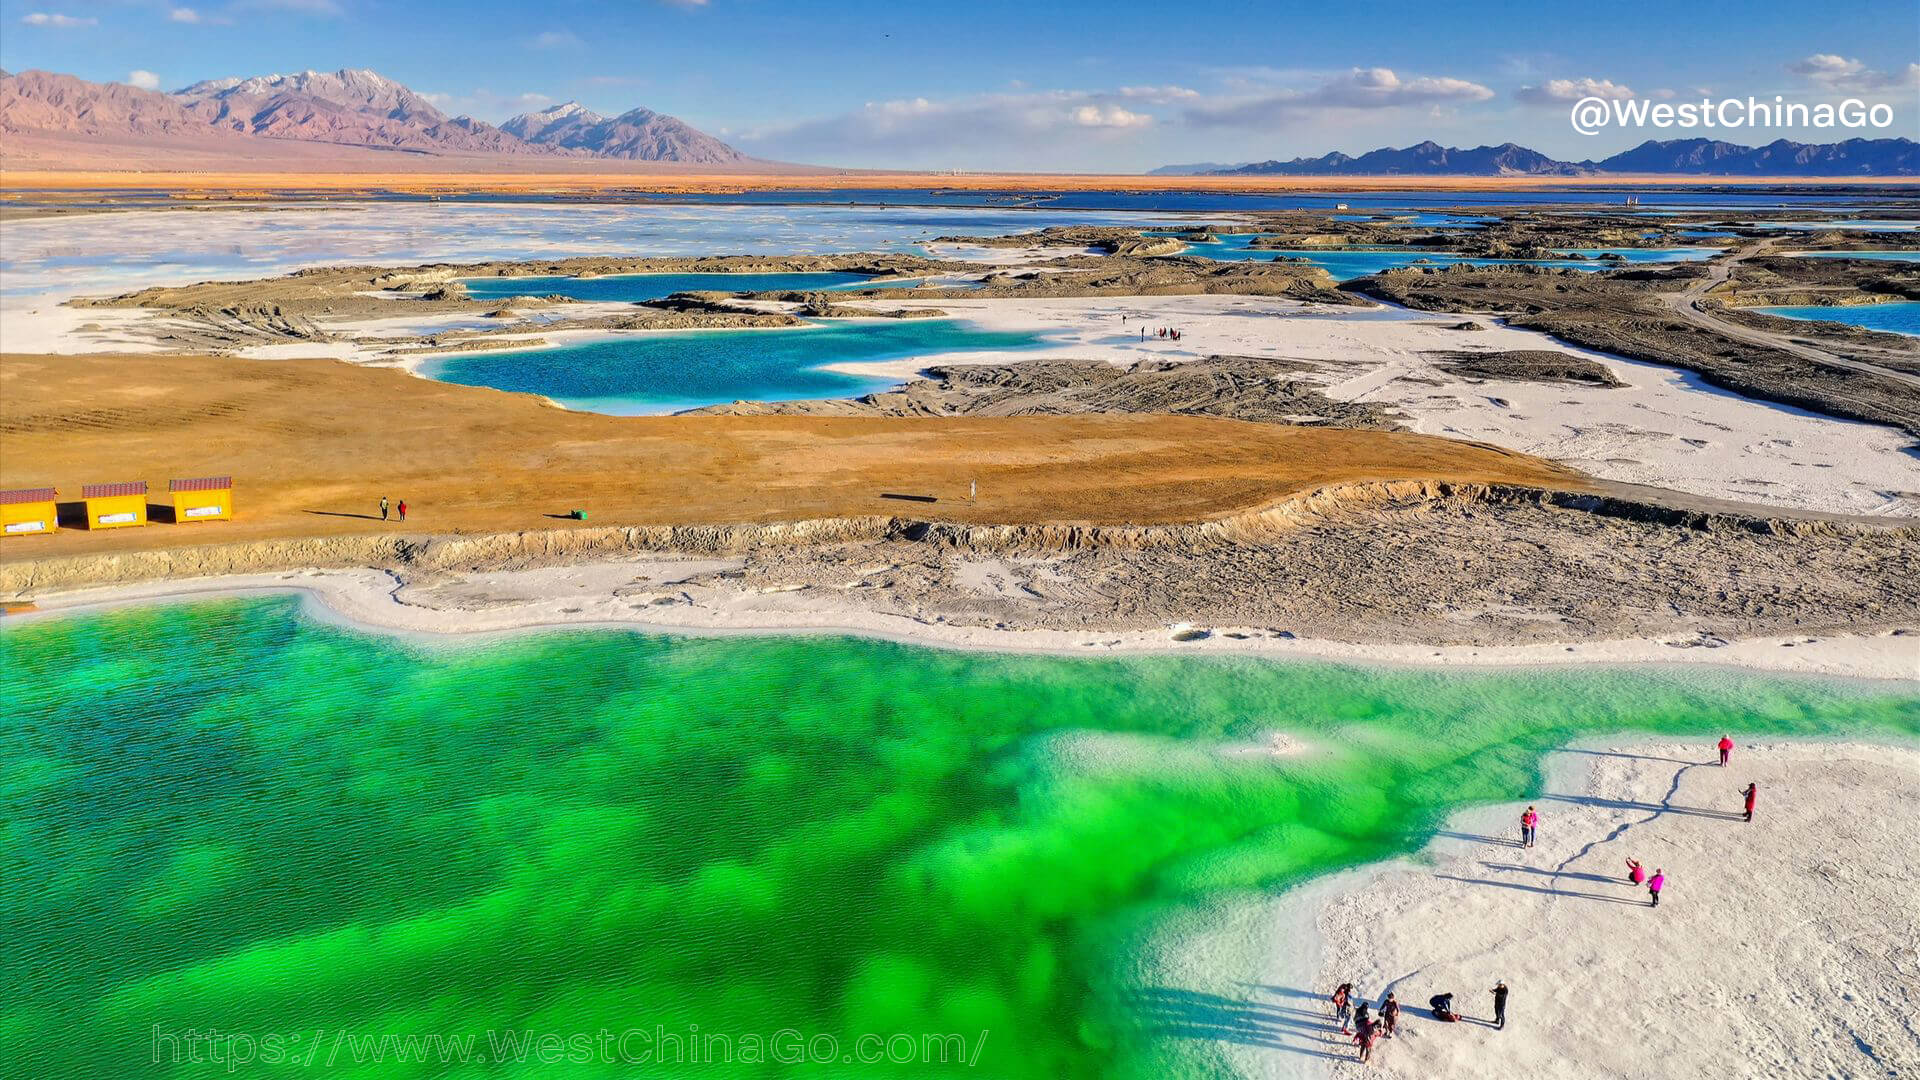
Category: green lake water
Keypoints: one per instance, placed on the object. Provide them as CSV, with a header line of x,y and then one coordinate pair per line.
x,y
226,815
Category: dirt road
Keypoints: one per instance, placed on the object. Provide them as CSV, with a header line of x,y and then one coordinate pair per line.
x,y
1687,304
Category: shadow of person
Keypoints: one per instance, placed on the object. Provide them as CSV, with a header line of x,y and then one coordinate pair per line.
x,y
1500,841
1631,804
1197,1014
1516,868
1517,887
1635,757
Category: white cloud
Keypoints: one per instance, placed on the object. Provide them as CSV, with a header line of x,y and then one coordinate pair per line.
x,y
145,80
195,17
1158,95
557,39
59,21
1566,91
486,104
1367,89
1020,127
298,7
1108,116
1375,88
1823,67
963,130
1830,71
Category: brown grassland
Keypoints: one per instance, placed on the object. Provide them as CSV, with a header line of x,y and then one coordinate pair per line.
x,y
313,444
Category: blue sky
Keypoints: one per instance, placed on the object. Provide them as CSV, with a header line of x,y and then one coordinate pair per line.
x,y
1119,85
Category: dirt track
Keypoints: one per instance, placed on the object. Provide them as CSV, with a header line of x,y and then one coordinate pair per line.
x,y
1687,304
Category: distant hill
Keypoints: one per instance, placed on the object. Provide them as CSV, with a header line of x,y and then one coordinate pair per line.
x,y
637,135
1854,157
1677,157
354,107
1423,159
1198,168
252,116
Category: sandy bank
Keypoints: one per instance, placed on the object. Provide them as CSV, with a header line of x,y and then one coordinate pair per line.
x,y
1781,948
313,445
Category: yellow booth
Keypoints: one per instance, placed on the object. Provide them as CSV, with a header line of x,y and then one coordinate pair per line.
x,y
206,498
115,506
28,511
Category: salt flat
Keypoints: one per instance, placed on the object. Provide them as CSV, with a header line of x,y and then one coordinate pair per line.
x,y
1665,428
1781,948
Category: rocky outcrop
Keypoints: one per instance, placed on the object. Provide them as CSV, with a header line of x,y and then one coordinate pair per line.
x,y
1256,388
1341,505
1527,365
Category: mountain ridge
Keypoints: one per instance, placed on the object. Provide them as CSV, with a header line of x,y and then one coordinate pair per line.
x,y
354,107
637,135
1673,157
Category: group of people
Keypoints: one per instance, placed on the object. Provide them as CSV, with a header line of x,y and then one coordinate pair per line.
x,y
1638,876
1530,824
402,508
1356,1017
1167,332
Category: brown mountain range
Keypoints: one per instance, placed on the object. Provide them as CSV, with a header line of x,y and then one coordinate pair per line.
x,y
349,117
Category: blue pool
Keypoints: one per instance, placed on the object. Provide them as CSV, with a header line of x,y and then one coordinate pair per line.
x,y
1899,318
667,371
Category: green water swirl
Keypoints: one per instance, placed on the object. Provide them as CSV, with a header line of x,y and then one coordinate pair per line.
x,y
223,815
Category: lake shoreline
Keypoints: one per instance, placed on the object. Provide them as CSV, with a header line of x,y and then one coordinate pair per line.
x,y
367,600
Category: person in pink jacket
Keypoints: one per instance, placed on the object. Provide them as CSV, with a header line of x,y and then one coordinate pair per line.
x,y
1635,873
1529,821
1655,884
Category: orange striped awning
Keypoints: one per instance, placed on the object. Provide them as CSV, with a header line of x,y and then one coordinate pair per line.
x,y
108,491
27,495
203,483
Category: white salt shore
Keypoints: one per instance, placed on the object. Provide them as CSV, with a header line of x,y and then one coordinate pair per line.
x,y
1781,948
654,594
1665,427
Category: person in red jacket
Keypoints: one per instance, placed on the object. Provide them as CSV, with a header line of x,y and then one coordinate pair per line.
x,y
1634,872
1726,747
1529,821
1752,791
1342,1005
1367,1032
403,509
